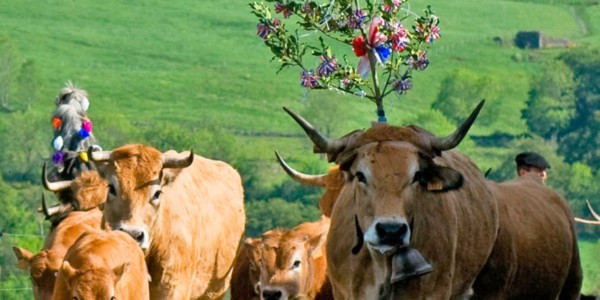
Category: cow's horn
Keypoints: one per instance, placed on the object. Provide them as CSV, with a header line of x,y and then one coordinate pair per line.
x,y
176,161
594,214
54,186
302,178
99,155
49,212
324,144
451,141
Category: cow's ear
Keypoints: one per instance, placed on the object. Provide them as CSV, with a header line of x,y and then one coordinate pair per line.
x,y
316,244
120,270
67,272
23,257
438,179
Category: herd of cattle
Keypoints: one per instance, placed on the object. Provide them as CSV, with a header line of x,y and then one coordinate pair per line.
x,y
404,217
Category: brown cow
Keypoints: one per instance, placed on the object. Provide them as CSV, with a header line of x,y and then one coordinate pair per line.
x,y
186,211
284,264
536,254
103,265
44,265
414,197
594,214
88,190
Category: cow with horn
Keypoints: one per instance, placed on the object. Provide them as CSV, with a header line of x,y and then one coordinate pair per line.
x,y
596,216
80,214
184,210
44,265
535,255
524,262
414,218
87,191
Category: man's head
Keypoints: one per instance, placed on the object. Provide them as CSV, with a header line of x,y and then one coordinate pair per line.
x,y
531,162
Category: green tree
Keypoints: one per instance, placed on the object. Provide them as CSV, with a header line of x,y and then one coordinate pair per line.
x,y
462,90
276,213
551,103
581,140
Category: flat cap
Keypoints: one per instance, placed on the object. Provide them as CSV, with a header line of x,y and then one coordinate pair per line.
x,y
532,159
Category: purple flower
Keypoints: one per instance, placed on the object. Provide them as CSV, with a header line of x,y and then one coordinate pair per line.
x,y
327,66
420,63
308,79
399,37
393,8
282,8
265,29
356,20
402,85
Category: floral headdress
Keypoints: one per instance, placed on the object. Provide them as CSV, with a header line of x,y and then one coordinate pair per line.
x,y
389,41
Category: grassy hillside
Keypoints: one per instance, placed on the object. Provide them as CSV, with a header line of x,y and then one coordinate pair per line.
x,y
200,64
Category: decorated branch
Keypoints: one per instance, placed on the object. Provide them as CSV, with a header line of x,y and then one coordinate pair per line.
x,y
388,40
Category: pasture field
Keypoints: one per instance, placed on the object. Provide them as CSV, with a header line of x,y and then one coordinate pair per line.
x,y
199,65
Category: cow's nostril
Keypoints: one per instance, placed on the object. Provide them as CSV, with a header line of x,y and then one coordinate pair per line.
x,y
271,294
391,233
139,236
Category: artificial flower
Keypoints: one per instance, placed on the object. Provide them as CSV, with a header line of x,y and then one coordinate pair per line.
x,y
308,79
327,66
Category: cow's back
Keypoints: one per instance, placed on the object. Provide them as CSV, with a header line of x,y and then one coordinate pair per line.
x,y
198,230
536,254
73,226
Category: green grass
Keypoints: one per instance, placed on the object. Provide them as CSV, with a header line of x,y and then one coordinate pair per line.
x,y
590,262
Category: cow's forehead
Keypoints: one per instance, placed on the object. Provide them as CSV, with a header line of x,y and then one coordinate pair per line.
x,y
384,154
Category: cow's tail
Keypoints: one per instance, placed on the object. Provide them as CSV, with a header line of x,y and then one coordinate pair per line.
x,y
572,287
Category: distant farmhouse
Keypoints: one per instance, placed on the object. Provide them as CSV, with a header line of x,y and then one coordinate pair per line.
x,y
536,40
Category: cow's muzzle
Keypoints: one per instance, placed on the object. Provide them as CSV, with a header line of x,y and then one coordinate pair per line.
x,y
388,235
141,236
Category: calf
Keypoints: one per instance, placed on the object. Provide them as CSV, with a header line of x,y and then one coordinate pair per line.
x,y
283,265
103,265
44,265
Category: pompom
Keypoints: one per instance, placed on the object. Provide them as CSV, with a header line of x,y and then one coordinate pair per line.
x,y
56,122
58,157
83,133
87,125
58,143
83,156
85,103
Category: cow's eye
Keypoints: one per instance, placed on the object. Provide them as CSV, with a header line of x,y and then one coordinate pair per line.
x,y
296,264
155,198
113,298
361,177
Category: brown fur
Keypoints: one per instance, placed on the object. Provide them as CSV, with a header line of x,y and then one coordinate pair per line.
x,y
267,264
454,230
101,265
44,265
333,183
536,254
89,190
194,231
